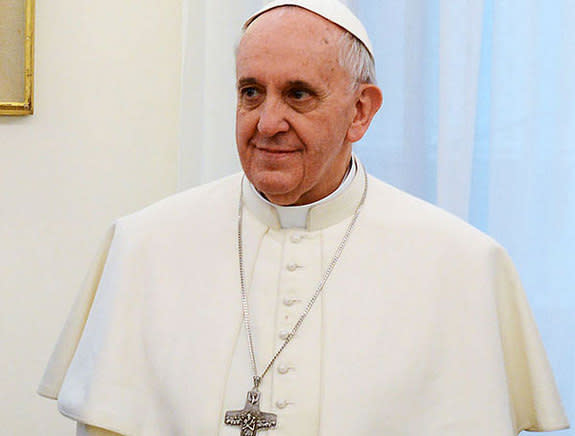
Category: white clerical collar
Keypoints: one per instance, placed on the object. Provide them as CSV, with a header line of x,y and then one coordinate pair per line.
x,y
325,212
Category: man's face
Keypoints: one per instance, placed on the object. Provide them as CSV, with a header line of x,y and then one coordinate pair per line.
x,y
295,105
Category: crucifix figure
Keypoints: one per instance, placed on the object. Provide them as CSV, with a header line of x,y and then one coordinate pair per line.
x,y
251,419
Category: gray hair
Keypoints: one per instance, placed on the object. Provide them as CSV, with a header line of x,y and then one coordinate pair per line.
x,y
356,59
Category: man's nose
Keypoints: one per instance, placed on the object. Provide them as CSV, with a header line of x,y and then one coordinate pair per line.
x,y
272,118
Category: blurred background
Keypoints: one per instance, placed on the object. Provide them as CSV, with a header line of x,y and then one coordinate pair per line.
x,y
135,100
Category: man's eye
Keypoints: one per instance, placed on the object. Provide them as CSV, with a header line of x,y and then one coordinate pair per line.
x,y
249,92
299,94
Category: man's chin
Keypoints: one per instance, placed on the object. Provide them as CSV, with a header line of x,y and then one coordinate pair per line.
x,y
279,190
283,200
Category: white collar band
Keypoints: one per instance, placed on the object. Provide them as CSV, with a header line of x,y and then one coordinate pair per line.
x,y
296,216
325,212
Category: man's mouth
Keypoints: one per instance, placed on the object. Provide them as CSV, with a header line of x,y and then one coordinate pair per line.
x,y
277,150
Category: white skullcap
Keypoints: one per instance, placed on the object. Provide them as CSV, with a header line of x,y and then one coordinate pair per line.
x,y
331,10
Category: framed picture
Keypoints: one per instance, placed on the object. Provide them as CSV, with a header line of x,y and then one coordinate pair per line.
x,y
16,57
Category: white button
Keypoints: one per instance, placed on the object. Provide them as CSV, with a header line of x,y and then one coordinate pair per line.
x,y
296,239
281,404
288,301
292,267
284,334
282,369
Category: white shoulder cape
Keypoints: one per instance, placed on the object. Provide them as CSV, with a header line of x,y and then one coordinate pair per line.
x,y
428,330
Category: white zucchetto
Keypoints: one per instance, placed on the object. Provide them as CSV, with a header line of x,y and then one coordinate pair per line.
x,y
332,10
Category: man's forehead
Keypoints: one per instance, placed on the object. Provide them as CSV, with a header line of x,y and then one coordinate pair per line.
x,y
293,17
292,37
331,10
293,26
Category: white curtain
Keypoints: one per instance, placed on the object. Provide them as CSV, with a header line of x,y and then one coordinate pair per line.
x,y
479,118
211,30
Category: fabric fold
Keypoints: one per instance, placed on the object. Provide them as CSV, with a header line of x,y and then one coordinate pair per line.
x,y
71,333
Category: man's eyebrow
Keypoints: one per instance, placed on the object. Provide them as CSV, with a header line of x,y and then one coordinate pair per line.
x,y
246,81
300,84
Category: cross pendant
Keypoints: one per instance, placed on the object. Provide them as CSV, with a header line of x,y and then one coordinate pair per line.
x,y
251,419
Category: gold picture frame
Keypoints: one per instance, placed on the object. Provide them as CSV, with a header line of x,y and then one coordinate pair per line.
x,y
16,57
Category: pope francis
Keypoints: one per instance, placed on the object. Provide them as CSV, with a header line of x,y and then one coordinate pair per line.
x,y
302,297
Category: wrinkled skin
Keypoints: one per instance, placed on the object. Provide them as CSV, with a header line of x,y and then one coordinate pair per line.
x,y
298,112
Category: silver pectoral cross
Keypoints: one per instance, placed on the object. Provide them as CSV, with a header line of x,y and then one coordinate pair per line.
x,y
251,419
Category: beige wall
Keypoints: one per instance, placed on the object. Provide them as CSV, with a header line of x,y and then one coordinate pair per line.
x,y
103,143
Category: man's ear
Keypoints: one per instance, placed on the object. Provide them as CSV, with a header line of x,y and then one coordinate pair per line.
x,y
369,100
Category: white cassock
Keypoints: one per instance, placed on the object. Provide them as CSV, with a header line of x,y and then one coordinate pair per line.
x,y
423,328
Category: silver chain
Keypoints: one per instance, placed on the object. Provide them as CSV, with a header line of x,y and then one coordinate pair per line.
x,y
257,379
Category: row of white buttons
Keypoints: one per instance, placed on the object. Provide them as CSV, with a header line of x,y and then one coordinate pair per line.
x,y
283,334
282,369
